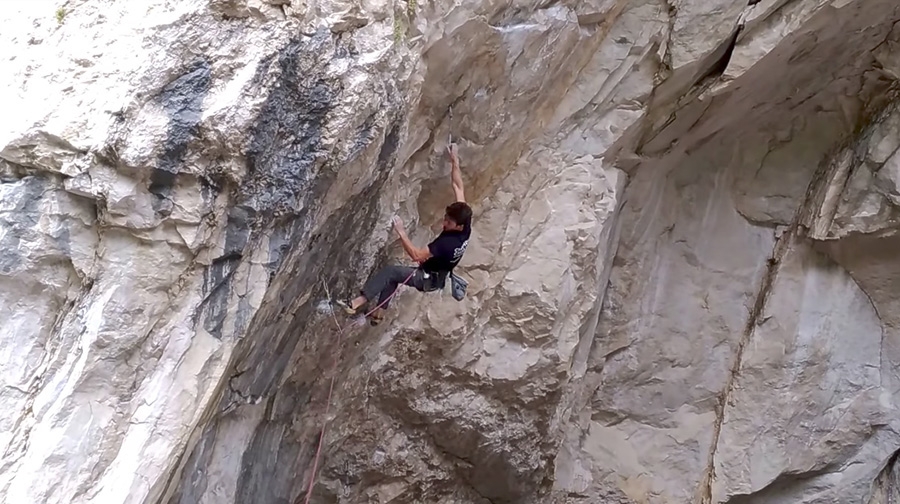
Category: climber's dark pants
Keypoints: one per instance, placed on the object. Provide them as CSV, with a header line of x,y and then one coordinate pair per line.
x,y
385,282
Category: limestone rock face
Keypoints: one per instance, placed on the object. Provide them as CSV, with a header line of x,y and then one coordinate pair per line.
x,y
683,271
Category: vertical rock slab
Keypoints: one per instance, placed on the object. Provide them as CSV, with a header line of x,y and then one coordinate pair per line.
x,y
675,286
699,229
806,418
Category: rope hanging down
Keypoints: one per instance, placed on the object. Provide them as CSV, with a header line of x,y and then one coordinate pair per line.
x,y
337,356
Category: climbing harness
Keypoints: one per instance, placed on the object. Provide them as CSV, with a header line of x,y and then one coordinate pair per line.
x,y
337,356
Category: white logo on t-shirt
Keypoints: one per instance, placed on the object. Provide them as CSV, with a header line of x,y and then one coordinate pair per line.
x,y
458,252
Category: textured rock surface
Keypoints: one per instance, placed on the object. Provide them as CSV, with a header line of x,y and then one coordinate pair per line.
x,y
683,271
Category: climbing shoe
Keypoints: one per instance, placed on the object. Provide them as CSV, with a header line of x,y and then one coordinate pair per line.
x,y
345,304
376,317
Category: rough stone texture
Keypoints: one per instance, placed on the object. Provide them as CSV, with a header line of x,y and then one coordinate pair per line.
x,y
683,271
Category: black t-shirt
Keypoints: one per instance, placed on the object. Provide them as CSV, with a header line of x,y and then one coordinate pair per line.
x,y
447,249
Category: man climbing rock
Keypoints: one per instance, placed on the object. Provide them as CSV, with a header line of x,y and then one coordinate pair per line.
x,y
436,261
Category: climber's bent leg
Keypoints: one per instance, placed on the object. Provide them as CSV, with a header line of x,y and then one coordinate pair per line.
x,y
385,282
381,285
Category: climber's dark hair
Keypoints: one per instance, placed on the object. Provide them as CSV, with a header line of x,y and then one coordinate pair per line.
x,y
460,213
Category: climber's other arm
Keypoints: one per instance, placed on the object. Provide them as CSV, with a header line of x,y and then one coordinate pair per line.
x,y
417,254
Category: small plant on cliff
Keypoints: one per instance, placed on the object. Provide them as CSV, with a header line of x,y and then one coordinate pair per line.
x,y
399,30
60,15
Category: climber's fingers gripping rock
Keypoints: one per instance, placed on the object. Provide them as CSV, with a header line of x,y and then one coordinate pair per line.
x,y
453,152
397,222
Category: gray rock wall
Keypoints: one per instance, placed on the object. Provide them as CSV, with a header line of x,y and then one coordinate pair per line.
x,y
681,271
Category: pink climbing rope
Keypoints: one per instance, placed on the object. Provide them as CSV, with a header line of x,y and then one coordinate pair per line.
x,y
312,477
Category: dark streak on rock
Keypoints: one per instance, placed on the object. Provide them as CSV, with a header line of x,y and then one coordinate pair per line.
x,y
266,476
388,153
284,151
285,143
192,489
265,364
364,136
284,459
217,278
182,99
243,316
26,215
285,158
280,242
330,260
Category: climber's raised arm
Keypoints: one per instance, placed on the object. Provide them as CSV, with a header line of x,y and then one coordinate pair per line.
x,y
455,173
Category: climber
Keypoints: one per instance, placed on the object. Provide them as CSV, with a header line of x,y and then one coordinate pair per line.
x,y
435,261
